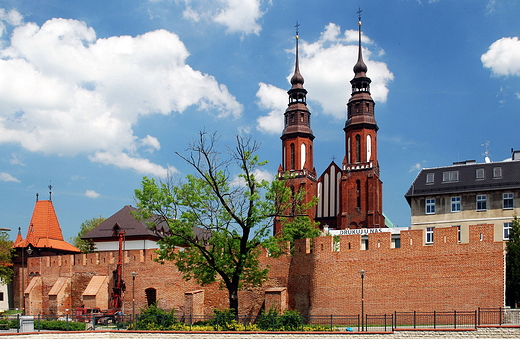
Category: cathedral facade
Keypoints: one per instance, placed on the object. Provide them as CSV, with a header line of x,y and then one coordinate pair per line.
x,y
350,196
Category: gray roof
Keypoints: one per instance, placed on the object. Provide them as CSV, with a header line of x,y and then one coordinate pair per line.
x,y
467,180
132,227
125,220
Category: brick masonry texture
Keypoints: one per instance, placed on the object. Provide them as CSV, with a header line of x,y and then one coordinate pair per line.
x,y
319,279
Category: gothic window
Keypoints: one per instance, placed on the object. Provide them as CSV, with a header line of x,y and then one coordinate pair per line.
x,y
358,148
302,117
369,147
358,193
303,155
349,159
292,156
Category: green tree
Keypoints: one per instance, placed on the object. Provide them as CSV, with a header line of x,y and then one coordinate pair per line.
x,y
86,246
6,255
222,220
295,222
513,264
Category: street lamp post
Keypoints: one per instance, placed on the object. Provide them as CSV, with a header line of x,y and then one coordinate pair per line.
x,y
362,299
133,297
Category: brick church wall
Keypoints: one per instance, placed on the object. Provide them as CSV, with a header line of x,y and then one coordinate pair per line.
x,y
320,277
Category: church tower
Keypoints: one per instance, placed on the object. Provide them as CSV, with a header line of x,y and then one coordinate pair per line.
x,y
361,187
297,168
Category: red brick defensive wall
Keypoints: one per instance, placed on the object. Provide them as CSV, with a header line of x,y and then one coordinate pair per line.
x,y
322,277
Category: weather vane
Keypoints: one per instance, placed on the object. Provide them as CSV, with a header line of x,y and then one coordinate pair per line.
x,y
50,191
297,29
359,15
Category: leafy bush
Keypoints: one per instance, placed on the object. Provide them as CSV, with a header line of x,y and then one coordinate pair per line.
x,y
269,321
154,318
316,328
290,320
9,322
59,325
225,320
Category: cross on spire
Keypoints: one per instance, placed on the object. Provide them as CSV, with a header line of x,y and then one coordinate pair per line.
x,y
359,14
297,29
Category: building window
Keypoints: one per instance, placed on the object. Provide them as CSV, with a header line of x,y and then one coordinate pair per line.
x,y
481,202
450,176
292,156
396,243
507,228
430,206
455,204
479,173
364,244
497,172
430,177
458,234
508,200
358,148
1,296
429,235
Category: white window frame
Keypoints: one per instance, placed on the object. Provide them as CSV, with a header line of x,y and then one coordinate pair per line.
x,y
497,172
459,233
430,178
456,203
509,197
450,176
429,235
507,228
430,206
481,202
479,174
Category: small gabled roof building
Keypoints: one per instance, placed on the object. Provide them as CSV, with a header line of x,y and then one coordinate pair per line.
x,y
466,193
137,234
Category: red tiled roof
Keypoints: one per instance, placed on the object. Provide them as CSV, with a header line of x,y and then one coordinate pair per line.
x,y
44,230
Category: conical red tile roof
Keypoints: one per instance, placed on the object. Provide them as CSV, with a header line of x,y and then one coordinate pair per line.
x,y
44,230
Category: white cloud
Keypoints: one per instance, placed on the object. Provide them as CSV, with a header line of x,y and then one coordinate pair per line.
x,y
16,160
238,16
12,17
259,176
503,57
91,194
7,177
64,91
327,67
415,168
151,142
275,100
140,165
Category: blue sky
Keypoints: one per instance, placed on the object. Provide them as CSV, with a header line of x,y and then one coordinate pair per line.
x,y
96,94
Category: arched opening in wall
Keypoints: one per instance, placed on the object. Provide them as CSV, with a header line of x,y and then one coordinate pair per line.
x,y
303,155
349,159
151,296
369,147
358,193
358,148
292,156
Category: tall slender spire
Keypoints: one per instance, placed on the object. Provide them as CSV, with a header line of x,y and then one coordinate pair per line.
x,y
297,79
360,68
